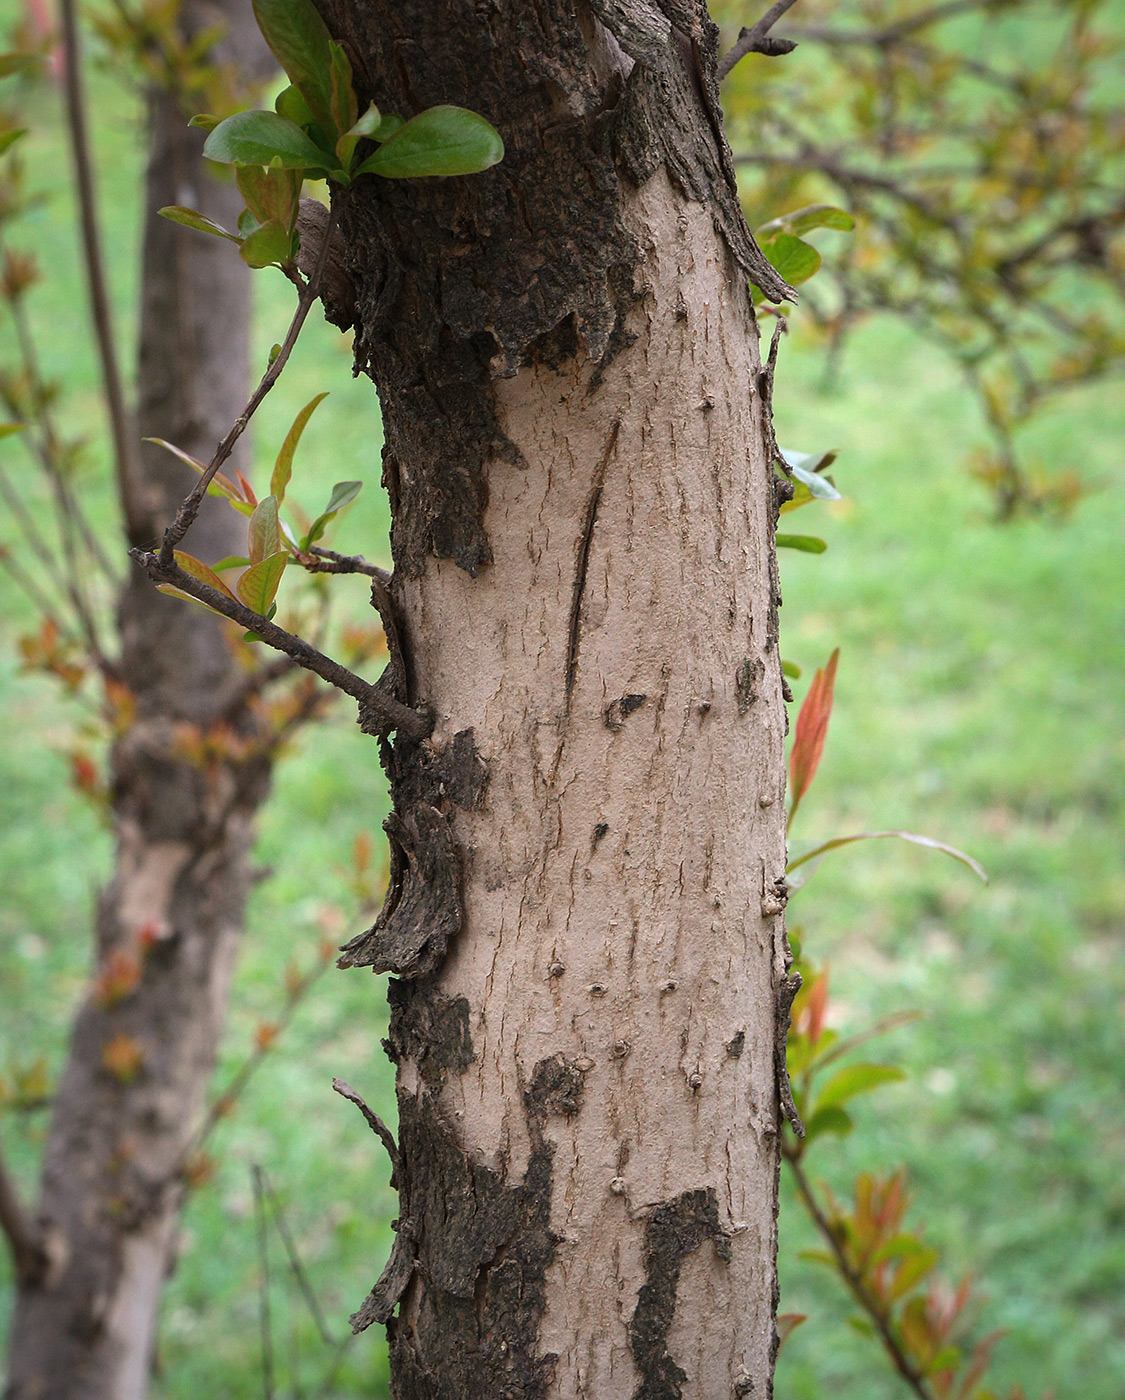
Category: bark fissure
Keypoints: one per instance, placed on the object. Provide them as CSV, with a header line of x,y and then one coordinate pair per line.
x,y
585,540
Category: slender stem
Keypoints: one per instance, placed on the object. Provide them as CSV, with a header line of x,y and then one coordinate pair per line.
x,y
330,562
28,1255
902,1363
265,1323
48,448
190,507
312,1302
376,707
751,40
128,477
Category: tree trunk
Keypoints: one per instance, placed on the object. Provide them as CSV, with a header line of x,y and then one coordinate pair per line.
x,y
169,922
586,911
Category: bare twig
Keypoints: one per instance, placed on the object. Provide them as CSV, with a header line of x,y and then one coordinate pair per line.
x,y
329,562
895,33
754,40
265,1322
29,1256
312,1302
902,1363
190,506
128,478
374,1122
378,710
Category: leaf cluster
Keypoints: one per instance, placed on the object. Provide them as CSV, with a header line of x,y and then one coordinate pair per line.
x,y
316,131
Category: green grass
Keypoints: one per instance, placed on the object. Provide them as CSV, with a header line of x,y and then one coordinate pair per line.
x,y
979,701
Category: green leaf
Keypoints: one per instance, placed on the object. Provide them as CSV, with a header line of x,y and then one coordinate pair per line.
x,y
258,585
345,108
832,1119
791,669
290,103
264,533
299,40
343,494
804,220
7,429
808,543
806,468
205,120
259,137
269,194
911,1272
199,570
191,218
232,561
17,62
367,125
853,1080
439,141
910,836
9,138
283,467
268,246
792,257
391,123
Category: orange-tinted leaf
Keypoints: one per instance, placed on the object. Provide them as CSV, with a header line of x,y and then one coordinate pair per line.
x,y
123,1057
201,572
812,727
258,585
265,1035
787,1323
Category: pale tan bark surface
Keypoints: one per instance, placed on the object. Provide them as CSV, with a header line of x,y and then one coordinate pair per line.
x,y
614,880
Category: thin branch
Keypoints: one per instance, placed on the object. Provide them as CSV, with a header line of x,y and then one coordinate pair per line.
x,y
125,458
312,1302
265,1322
332,563
754,40
47,448
29,1256
190,506
894,33
902,1363
378,710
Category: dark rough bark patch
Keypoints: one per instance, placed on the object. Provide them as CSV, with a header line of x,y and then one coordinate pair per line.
x,y
422,909
673,1231
736,1044
558,1086
618,711
459,281
671,115
748,682
470,1320
430,1029
787,989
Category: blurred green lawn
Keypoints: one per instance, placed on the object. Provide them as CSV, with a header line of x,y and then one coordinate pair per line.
x,y
979,700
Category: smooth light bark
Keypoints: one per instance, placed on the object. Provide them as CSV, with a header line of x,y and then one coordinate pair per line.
x,y
586,911
112,1181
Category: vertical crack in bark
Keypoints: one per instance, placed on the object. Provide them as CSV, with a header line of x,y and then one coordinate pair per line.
x,y
584,542
674,1229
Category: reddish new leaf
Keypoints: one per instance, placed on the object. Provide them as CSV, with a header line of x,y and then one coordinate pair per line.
x,y
812,727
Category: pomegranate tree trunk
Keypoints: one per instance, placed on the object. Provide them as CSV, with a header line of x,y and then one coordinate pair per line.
x,y
585,921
